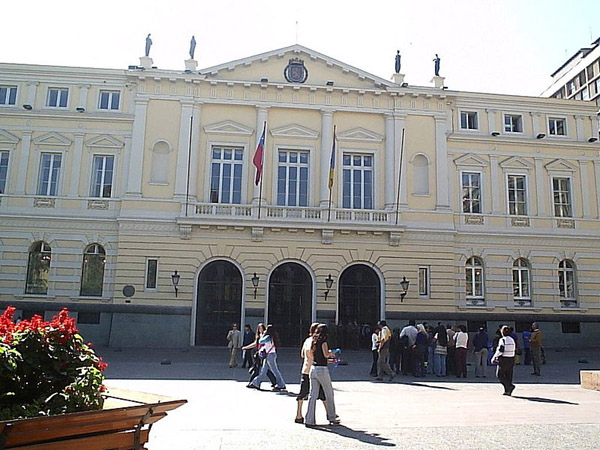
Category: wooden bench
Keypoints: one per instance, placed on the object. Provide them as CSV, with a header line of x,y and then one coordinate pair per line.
x,y
123,424
590,379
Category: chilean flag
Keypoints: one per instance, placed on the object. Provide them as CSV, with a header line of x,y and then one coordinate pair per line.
x,y
259,157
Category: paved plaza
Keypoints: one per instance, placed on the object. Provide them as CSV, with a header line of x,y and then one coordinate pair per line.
x,y
547,412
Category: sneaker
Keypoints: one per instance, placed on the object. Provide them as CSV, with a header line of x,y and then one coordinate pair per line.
x,y
253,386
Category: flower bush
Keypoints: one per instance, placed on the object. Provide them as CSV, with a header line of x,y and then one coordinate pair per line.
x,y
46,368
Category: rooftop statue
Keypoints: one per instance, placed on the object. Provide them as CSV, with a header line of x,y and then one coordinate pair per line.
x,y
192,47
148,44
436,62
398,61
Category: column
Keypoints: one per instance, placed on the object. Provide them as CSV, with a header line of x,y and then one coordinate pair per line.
x,y
540,181
21,174
441,161
399,126
585,190
195,156
76,165
491,113
136,154
597,177
83,95
31,93
126,163
495,184
262,117
535,120
181,172
389,179
595,127
579,126
326,144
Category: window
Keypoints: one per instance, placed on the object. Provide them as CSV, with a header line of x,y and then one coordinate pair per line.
x,y
517,195
590,71
513,123
581,78
358,181
570,87
8,95
424,281
151,273
38,268
58,98
88,318
3,171
566,281
585,94
557,127
471,192
49,174
102,176
226,175
468,120
561,188
421,175
474,281
92,272
571,327
521,282
292,178
109,100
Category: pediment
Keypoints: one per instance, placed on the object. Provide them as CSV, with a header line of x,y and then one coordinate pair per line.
x,y
516,162
470,160
52,138
359,134
320,69
228,127
8,138
295,131
104,141
560,165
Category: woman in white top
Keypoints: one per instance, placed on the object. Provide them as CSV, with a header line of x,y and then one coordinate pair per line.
x,y
505,357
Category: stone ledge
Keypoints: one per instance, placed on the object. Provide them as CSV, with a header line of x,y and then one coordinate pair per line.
x,y
590,379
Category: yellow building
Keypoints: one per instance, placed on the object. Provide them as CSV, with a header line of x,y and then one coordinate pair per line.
x,y
113,179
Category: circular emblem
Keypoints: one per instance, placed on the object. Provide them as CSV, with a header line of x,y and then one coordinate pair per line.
x,y
128,290
295,71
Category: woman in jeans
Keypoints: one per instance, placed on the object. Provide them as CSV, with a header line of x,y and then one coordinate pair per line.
x,y
257,362
420,349
319,377
270,342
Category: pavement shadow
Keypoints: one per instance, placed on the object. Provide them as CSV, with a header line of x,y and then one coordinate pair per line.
x,y
545,400
429,386
359,435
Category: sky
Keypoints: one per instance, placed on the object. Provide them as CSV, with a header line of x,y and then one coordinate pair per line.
x,y
498,46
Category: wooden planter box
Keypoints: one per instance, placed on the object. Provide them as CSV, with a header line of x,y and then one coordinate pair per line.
x,y
123,424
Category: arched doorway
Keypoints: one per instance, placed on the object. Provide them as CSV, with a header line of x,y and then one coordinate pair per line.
x,y
290,302
218,302
359,305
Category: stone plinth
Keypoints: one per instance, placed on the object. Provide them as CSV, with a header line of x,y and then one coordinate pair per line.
x,y
146,62
191,65
590,379
438,82
398,78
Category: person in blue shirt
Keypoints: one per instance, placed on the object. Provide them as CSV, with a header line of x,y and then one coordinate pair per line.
x,y
526,335
480,343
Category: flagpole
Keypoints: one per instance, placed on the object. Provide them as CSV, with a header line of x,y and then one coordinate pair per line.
x,y
399,177
262,163
329,180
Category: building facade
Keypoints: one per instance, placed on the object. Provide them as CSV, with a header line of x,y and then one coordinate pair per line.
x,y
129,196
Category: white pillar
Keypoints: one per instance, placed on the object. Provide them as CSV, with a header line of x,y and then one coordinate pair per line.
x,y
597,177
83,95
441,159
126,163
399,125
540,180
136,154
595,126
579,128
76,164
262,117
389,179
181,172
326,144
195,156
535,120
31,93
21,174
492,120
496,184
585,189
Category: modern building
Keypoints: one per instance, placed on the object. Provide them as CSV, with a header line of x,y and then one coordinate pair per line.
x,y
579,77
129,196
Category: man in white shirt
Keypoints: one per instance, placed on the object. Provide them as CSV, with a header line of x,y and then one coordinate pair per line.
x,y
383,365
408,334
462,342
234,338
505,357
375,350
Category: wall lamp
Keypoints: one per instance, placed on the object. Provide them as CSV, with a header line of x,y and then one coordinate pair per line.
x,y
255,281
175,280
328,284
329,83
264,80
28,107
541,136
592,139
404,285
495,133
80,109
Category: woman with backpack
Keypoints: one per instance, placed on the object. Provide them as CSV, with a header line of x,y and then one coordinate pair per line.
x,y
257,361
269,341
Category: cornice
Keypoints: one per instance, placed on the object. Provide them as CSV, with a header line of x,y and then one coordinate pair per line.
x,y
522,141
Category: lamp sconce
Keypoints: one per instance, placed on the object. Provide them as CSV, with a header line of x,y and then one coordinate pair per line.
x,y
175,280
592,139
541,136
495,133
28,107
328,284
80,109
404,285
255,281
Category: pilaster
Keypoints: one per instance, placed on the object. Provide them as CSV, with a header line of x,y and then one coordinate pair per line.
x,y
579,127
597,177
262,117
183,151
76,165
32,92
441,160
539,187
495,184
390,181
399,126
23,160
136,154
83,96
326,144
585,189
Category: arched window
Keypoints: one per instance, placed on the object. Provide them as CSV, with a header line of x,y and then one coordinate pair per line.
x,y
160,162
566,281
521,282
474,281
421,175
92,271
38,268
